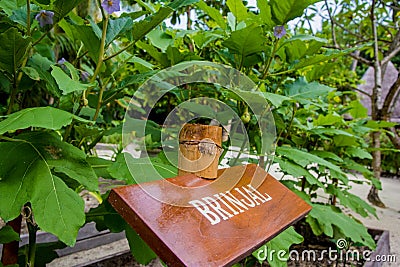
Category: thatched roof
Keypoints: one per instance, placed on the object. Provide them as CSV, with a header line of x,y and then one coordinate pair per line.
x,y
387,81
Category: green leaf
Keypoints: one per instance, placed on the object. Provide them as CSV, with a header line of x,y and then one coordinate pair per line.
x,y
380,124
327,155
143,27
65,83
246,41
106,218
297,171
42,65
177,4
281,242
328,55
61,8
84,34
31,73
265,13
329,119
238,9
116,27
13,50
304,158
26,171
355,203
323,219
357,110
275,99
284,11
139,249
7,235
119,169
213,13
358,152
301,89
8,6
146,169
43,117
100,166
160,39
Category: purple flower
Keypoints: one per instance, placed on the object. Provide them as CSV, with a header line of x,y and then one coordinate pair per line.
x,y
279,31
61,63
111,6
45,17
85,76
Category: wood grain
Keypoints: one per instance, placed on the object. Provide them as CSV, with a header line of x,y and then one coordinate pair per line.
x,y
182,236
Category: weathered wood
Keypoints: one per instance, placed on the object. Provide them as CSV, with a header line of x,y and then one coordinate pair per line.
x,y
199,150
382,248
184,236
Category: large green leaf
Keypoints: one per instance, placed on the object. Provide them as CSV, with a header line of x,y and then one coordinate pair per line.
x,y
42,65
43,117
28,173
116,27
323,219
284,11
61,8
302,90
84,34
304,158
297,171
238,9
8,6
143,27
65,83
213,13
352,201
246,41
281,242
145,169
13,49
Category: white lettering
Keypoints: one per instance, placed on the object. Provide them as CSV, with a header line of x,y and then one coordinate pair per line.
x,y
211,208
200,206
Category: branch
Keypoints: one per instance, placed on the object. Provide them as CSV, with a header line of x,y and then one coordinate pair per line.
x,y
377,90
390,96
332,25
361,59
390,55
395,138
362,92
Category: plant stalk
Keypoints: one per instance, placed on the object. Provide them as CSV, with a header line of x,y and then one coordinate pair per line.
x,y
32,229
28,17
266,70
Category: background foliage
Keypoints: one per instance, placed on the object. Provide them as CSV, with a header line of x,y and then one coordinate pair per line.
x,y
65,87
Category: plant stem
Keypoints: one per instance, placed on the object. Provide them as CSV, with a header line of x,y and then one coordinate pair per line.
x,y
99,103
28,17
266,70
99,64
32,229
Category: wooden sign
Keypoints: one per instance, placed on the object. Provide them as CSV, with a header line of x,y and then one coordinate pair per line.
x,y
214,228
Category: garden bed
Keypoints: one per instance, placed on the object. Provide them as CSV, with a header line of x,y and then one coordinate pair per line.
x,y
314,246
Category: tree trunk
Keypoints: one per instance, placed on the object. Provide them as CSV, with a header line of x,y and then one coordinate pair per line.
x,y
376,100
373,196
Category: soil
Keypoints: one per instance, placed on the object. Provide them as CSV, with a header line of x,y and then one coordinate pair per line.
x,y
315,246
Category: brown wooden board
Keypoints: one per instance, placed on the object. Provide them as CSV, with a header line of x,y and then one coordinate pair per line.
x,y
207,236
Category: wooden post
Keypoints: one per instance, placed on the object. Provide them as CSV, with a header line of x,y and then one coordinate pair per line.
x,y
199,150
